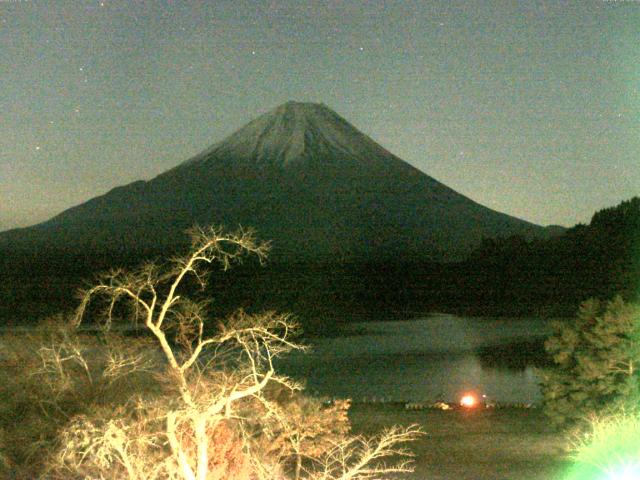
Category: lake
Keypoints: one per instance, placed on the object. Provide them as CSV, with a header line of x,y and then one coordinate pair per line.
x,y
438,356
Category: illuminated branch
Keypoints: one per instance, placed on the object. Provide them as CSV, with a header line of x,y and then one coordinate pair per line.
x,y
213,382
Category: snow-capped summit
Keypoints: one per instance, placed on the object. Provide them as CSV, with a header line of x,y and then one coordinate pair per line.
x,y
295,132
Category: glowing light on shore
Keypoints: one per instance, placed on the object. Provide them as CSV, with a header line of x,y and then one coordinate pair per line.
x,y
468,401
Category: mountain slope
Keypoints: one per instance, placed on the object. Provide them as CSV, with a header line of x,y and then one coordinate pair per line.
x,y
303,177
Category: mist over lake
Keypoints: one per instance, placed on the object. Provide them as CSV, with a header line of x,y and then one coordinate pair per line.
x,y
425,359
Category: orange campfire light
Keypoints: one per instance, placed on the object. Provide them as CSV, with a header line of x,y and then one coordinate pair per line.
x,y
468,400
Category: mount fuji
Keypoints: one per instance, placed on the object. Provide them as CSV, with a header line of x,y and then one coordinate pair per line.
x,y
304,178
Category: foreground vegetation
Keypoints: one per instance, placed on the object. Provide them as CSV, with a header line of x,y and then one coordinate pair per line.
x,y
592,390
596,357
176,403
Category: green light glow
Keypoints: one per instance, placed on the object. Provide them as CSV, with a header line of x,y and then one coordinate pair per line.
x,y
611,451
622,471
625,472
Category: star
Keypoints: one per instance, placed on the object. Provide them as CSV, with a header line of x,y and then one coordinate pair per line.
x,y
38,147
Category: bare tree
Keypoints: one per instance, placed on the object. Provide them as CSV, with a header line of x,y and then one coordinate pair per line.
x,y
216,416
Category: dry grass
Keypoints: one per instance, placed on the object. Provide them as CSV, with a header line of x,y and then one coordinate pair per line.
x,y
493,444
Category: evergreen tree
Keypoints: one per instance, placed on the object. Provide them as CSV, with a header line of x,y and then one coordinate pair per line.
x,y
596,360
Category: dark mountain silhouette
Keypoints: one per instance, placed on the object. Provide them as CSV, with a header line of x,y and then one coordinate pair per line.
x,y
303,177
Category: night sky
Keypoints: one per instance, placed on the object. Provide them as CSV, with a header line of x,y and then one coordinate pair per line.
x,y
531,108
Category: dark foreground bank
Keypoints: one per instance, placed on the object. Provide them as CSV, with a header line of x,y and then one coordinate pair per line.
x,y
487,444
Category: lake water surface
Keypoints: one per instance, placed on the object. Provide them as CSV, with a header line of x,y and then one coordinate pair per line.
x,y
435,357
429,358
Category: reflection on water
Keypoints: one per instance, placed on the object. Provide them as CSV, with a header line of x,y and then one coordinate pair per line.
x,y
431,358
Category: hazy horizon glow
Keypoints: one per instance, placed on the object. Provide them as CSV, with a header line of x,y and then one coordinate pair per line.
x,y
529,108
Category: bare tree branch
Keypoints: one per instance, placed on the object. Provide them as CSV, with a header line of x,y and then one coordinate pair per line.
x,y
212,383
